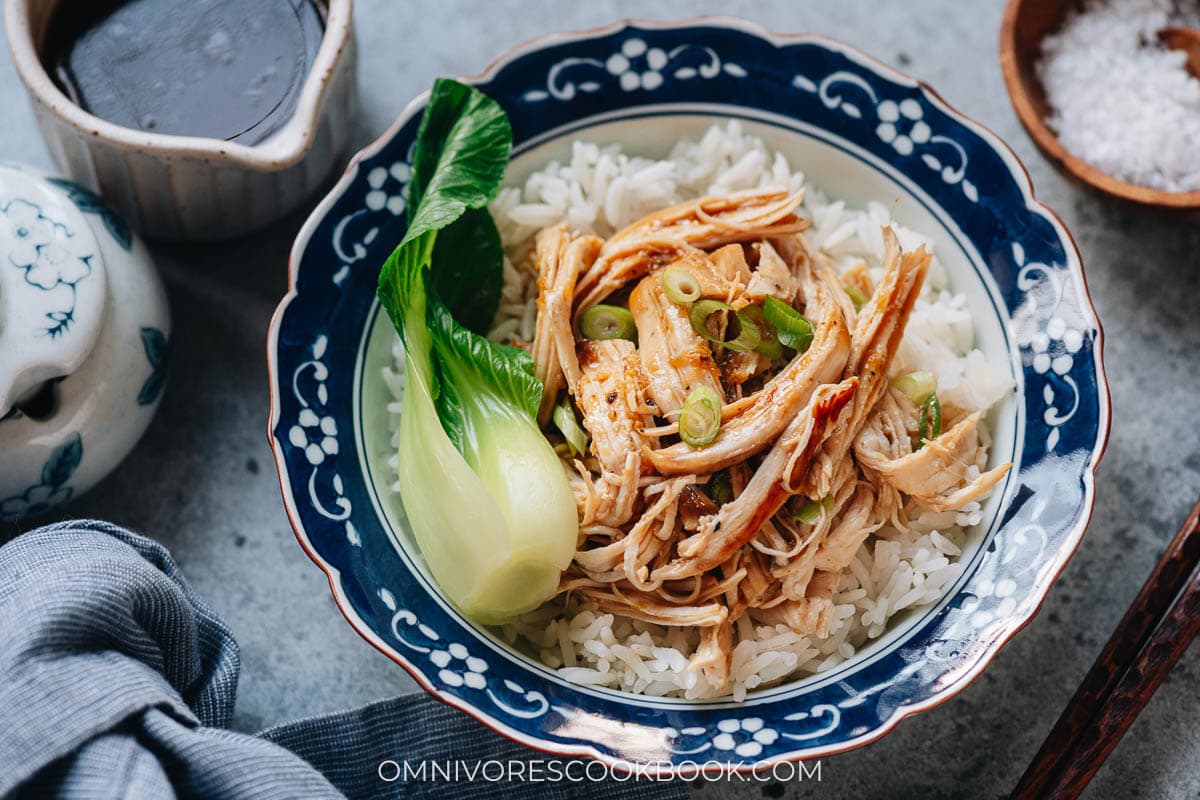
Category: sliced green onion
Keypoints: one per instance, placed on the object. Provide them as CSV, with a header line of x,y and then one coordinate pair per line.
x,y
917,386
930,426
700,419
568,424
607,322
755,312
792,327
749,334
811,512
679,285
857,297
720,488
769,347
700,312
808,514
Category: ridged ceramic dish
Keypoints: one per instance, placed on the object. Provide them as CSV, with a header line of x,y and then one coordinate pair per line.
x,y
190,188
829,108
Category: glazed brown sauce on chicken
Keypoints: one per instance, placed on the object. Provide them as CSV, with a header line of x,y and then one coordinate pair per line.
x,y
221,69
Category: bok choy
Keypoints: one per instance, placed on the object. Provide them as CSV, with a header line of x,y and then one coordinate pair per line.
x,y
484,492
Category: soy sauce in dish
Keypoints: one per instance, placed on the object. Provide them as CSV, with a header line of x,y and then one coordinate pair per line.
x,y
221,69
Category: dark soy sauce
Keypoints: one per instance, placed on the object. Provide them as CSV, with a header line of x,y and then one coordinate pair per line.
x,y
221,69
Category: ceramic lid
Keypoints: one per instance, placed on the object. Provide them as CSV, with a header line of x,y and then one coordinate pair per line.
x,y
52,286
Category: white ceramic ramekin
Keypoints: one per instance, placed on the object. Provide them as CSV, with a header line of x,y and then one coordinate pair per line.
x,y
191,188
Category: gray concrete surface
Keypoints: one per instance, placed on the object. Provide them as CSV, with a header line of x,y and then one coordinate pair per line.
x,y
202,480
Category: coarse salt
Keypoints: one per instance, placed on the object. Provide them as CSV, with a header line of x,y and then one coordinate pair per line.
x,y
1122,101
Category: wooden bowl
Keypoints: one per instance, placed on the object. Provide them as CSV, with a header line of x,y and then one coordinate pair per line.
x,y
1026,23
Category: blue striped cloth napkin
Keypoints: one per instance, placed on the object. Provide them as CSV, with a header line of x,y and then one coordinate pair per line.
x,y
118,681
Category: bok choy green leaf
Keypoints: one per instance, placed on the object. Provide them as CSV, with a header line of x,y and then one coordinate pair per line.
x,y
485,494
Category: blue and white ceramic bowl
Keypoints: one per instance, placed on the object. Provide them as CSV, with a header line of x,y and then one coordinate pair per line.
x,y
861,131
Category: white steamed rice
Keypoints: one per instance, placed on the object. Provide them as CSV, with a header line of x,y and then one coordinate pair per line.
x,y
601,190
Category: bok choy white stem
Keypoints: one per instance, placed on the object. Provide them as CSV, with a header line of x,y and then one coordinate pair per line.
x,y
485,494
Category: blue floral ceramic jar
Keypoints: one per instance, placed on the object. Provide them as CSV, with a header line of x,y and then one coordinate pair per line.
x,y
84,327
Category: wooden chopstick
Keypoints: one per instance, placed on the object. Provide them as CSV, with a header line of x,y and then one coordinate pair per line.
x,y
1153,634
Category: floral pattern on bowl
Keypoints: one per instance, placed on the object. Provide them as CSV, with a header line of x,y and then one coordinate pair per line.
x,y
320,353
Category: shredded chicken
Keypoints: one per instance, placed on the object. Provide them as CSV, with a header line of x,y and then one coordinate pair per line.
x,y
814,452
559,261
675,358
719,278
707,223
630,603
609,393
737,368
812,613
772,276
877,334
848,531
728,274
761,421
859,277
738,520
936,476
715,654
